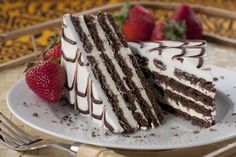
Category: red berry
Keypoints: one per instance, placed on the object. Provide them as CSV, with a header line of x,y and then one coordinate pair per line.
x,y
138,24
157,32
46,79
192,22
54,52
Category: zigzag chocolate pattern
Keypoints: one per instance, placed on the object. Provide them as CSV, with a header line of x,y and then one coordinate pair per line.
x,y
88,91
183,47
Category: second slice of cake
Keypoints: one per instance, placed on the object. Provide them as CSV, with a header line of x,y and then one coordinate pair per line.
x,y
117,90
181,76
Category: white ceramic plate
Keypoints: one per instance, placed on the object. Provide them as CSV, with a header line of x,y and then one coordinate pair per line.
x,y
174,132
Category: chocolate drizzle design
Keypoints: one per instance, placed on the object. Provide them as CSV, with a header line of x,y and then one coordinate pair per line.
x,y
67,39
89,93
184,45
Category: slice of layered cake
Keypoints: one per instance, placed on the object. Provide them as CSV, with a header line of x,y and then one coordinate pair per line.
x,y
117,96
180,76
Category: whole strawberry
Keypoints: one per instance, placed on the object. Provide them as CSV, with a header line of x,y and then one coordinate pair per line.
x,y
170,30
137,22
46,79
193,24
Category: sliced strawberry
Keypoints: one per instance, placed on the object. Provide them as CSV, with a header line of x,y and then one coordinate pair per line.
x,y
46,79
193,25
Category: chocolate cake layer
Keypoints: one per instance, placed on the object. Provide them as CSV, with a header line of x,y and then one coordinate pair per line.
x,y
115,44
194,120
93,32
126,94
145,84
186,103
207,85
117,30
111,97
189,92
86,44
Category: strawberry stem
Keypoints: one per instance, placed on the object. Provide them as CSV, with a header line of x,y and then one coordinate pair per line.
x,y
52,41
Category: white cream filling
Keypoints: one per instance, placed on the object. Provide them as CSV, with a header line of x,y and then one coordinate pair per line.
x,y
189,98
191,112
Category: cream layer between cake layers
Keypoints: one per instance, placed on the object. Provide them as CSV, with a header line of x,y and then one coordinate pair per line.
x,y
181,72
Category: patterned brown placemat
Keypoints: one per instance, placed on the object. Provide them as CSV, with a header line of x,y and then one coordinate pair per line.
x,y
20,14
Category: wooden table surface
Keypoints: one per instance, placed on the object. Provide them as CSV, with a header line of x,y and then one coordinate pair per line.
x,y
218,55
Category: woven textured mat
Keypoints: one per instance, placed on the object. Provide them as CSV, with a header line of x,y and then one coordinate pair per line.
x,y
19,14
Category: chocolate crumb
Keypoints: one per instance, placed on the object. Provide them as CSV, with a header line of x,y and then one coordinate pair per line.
x,y
106,133
35,115
196,132
176,135
212,130
173,128
215,79
66,117
68,124
222,77
233,114
152,134
228,95
54,121
25,104
93,134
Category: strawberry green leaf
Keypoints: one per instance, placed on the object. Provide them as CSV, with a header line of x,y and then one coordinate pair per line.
x,y
174,30
52,40
121,16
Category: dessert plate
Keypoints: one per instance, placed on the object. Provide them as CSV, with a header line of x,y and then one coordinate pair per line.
x,y
62,121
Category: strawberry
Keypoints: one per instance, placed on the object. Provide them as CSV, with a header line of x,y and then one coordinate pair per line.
x,y
46,79
193,24
137,22
54,52
169,29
